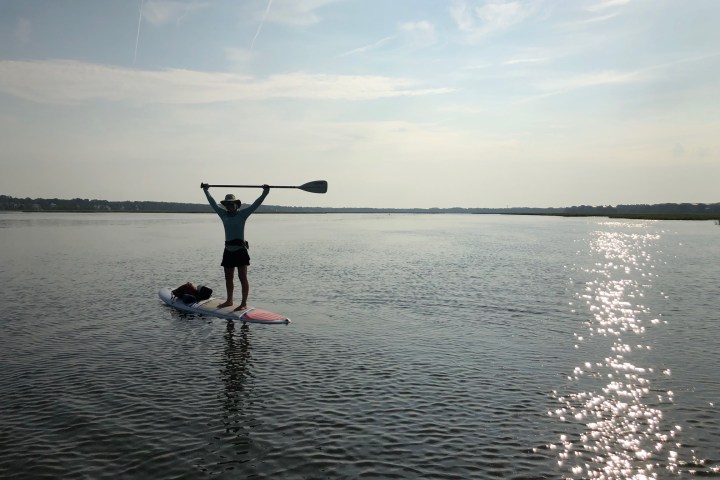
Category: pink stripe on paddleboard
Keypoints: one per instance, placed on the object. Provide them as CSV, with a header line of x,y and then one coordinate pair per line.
x,y
259,314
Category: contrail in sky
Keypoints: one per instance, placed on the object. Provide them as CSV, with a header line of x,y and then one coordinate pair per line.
x,y
261,24
137,37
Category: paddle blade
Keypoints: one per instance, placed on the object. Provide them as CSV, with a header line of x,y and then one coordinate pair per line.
x,y
318,186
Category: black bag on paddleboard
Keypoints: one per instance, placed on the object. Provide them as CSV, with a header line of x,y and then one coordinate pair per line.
x,y
203,293
189,293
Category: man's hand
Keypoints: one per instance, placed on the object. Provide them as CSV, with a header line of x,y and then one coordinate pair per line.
x,y
266,188
204,186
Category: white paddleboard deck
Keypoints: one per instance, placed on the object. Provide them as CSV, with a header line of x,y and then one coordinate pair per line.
x,y
210,307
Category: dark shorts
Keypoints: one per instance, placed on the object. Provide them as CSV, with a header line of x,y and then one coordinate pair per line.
x,y
239,258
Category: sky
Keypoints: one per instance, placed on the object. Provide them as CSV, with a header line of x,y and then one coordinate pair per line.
x,y
396,103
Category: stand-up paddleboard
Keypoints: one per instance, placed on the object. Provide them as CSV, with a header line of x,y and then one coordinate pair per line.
x,y
210,307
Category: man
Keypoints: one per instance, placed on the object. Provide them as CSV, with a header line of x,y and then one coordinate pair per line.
x,y
235,253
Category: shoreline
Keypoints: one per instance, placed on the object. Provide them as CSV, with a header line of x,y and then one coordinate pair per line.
x,y
633,216
626,216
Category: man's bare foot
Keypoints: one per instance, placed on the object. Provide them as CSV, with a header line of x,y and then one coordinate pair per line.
x,y
226,303
241,307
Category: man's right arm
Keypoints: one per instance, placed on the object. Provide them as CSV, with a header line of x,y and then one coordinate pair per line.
x,y
212,201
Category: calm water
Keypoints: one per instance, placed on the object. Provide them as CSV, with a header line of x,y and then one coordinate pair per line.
x,y
422,346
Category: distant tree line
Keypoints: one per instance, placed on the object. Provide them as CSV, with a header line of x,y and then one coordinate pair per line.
x,y
662,210
659,210
712,208
86,205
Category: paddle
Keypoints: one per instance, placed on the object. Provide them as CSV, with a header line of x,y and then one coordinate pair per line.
x,y
317,186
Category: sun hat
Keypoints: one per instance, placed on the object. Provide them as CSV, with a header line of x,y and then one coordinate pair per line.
x,y
230,198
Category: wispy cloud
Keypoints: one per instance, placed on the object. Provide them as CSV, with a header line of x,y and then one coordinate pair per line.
x,y
297,12
262,22
477,22
478,66
71,82
137,36
161,12
369,47
606,4
419,34
585,80
518,61
585,22
565,84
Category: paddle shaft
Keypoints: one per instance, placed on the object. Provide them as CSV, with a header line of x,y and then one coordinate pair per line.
x,y
317,186
250,186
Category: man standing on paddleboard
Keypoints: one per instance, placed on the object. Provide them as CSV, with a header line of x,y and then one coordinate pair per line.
x,y
236,248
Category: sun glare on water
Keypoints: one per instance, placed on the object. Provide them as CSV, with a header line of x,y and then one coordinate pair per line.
x,y
613,412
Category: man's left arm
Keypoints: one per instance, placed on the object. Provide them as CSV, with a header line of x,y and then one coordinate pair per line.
x,y
259,201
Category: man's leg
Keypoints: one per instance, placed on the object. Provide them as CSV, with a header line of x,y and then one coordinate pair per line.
x,y
245,285
229,286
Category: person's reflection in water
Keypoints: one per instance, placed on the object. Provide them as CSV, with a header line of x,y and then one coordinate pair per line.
x,y
235,374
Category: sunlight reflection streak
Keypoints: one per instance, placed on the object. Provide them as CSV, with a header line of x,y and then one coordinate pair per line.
x,y
619,414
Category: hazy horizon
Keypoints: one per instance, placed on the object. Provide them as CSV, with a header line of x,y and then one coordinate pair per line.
x,y
361,207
